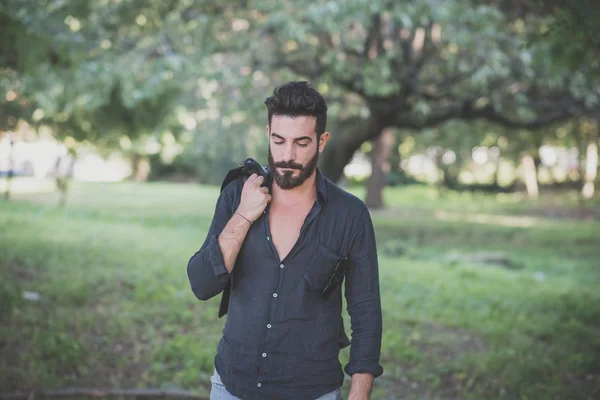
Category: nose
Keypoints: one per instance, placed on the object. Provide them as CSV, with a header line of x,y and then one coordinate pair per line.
x,y
289,153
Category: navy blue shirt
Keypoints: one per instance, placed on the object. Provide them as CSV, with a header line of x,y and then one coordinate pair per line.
x,y
281,339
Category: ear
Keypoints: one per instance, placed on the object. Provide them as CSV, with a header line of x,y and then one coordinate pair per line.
x,y
268,133
323,141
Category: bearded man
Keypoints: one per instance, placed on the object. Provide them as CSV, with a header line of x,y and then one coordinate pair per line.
x,y
281,249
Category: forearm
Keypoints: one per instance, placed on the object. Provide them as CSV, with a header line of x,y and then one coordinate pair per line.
x,y
231,239
206,268
361,386
209,269
364,304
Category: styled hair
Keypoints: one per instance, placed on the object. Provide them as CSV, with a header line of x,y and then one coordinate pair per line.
x,y
295,99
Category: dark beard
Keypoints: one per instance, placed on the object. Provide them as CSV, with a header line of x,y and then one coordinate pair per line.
x,y
286,181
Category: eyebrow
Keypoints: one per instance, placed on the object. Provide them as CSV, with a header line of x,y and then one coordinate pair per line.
x,y
299,139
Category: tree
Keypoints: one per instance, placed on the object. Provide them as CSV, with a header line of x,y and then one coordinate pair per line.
x,y
97,72
90,72
418,64
568,28
409,65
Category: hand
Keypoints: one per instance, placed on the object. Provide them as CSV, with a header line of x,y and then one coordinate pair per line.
x,y
254,198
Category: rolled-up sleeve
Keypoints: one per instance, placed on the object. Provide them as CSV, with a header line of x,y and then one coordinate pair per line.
x,y
206,268
363,300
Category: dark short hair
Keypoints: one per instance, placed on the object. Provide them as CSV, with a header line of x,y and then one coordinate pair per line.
x,y
295,99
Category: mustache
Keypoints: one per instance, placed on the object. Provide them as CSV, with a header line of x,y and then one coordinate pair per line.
x,y
291,165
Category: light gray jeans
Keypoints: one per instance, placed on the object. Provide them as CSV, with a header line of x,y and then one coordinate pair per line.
x,y
218,391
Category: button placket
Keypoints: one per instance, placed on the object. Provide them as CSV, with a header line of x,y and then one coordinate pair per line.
x,y
268,325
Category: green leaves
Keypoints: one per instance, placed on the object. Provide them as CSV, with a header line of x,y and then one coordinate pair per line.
x,y
125,66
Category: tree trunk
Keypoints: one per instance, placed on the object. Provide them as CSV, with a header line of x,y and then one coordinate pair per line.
x,y
346,138
450,176
530,176
580,142
140,168
496,182
63,181
11,167
380,167
67,179
591,165
397,173
450,172
135,163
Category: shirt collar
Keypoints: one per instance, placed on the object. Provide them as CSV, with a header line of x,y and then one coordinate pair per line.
x,y
321,186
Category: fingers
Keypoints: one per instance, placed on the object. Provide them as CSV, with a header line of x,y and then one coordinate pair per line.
x,y
264,189
252,178
255,180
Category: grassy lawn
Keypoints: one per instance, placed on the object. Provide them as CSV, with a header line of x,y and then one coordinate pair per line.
x,y
96,294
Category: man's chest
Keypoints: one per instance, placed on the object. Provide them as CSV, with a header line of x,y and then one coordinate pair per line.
x,y
291,255
285,226
294,239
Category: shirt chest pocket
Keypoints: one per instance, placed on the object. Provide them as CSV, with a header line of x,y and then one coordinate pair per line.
x,y
321,268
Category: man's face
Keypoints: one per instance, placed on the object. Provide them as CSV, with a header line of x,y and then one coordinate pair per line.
x,y
293,149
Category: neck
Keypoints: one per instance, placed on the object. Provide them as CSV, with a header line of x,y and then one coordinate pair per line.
x,y
300,194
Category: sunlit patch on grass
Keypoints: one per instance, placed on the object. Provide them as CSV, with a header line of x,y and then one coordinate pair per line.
x,y
500,220
23,185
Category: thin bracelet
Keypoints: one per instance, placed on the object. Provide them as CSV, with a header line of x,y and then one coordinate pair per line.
x,y
243,217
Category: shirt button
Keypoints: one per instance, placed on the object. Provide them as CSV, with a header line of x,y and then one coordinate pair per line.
x,y
258,384
268,238
281,265
264,355
274,294
268,326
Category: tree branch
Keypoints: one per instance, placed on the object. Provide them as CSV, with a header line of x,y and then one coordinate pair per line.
x,y
348,135
421,52
468,111
373,41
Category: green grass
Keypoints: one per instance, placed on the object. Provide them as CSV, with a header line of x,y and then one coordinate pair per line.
x,y
115,308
